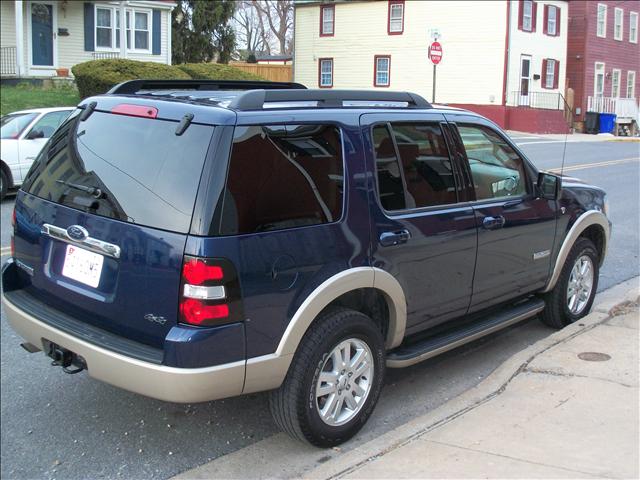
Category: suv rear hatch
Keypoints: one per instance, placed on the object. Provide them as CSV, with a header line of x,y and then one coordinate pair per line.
x,y
104,215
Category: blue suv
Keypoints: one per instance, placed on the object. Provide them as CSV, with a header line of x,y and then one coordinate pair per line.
x,y
196,240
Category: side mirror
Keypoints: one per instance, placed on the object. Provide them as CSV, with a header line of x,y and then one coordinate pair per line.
x,y
548,186
34,134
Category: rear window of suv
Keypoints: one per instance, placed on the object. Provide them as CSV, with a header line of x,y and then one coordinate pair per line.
x,y
144,172
283,176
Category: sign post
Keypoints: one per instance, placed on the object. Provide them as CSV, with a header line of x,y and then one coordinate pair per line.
x,y
435,55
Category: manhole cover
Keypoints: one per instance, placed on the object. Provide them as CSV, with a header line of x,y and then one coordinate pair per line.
x,y
594,356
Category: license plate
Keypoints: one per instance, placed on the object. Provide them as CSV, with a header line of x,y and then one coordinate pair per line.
x,y
83,266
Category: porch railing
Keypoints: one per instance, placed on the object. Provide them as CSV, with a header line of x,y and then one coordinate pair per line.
x,y
105,55
542,100
622,107
8,61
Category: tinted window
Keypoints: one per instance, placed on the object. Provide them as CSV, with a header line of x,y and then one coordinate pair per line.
x,y
497,170
146,174
283,177
11,126
390,185
426,166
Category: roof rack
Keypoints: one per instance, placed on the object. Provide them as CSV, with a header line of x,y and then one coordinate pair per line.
x,y
259,99
133,86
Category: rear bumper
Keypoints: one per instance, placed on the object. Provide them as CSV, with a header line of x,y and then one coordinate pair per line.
x,y
180,385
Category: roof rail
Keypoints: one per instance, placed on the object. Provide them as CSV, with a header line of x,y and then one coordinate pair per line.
x,y
259,99
133,86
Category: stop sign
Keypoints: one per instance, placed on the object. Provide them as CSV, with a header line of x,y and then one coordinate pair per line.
x,y
435,53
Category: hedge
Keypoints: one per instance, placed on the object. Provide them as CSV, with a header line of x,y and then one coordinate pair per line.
x,y
216,71
98,76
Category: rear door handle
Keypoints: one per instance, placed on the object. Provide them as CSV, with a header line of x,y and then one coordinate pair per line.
x,y
493,223
389,239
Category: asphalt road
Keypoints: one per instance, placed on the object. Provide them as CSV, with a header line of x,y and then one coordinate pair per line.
x,y
69,426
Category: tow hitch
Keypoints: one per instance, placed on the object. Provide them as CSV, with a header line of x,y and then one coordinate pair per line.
x,y
64,358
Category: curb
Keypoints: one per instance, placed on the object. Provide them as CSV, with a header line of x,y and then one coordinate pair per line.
x,y
278,456
488,389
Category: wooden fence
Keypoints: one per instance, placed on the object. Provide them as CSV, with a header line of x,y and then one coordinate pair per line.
x,y
275,73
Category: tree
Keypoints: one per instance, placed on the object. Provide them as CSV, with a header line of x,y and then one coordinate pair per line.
x,y
201,31
249,28
278,16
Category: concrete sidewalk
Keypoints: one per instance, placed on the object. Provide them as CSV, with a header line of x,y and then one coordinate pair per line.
x,y
571,137
565,407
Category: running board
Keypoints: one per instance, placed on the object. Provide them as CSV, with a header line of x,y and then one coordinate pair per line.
x,y
405,356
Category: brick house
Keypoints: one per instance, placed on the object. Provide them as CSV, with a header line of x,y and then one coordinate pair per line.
x,y
505,59
603,61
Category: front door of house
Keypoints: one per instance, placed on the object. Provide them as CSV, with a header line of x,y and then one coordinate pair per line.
x,y
42,34
525,79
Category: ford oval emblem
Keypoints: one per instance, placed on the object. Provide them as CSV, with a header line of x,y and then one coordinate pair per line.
x,y
76,232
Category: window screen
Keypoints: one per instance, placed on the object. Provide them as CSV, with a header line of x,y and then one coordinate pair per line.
x,y
283,177
497,170
426,167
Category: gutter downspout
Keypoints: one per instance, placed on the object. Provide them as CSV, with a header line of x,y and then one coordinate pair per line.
x,y
507,49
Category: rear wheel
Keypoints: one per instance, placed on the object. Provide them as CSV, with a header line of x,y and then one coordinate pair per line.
x,y
573,295
334,380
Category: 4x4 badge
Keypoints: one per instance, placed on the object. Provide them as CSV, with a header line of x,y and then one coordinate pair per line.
x,y
155,318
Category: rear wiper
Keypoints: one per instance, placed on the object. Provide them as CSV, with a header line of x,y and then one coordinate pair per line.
x,y
93,191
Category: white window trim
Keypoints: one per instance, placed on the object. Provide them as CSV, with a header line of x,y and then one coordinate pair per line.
x,y
621,24
604,30
631,73
132,12
595,76
550,63
524,15
387,71
399,20
632,16
613,74
330,62
555,20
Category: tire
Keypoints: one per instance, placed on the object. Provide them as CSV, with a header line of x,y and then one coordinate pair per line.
x,y
558,311
297,405
4,184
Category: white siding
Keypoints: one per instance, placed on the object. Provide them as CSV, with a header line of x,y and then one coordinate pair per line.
x,y
7,24
472,37
539,46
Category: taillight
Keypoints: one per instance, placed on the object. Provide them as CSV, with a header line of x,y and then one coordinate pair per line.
x,y
209,292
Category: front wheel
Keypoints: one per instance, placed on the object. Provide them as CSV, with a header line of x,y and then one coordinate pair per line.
x,y
573,295
4,184
334,380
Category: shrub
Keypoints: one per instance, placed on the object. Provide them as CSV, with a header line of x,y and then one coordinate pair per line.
x,y
216,71
98,76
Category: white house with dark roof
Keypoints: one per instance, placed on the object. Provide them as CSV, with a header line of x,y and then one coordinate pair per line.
x,y
37,38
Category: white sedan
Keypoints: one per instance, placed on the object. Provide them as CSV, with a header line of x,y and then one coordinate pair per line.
x,y
22,136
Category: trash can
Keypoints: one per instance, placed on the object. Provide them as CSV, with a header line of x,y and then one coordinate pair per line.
x,y
607,122
591,122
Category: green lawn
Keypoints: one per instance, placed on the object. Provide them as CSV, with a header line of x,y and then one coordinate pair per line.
x,y
25,96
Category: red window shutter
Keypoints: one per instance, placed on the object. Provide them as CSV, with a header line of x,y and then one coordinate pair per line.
x,y
545,24
557,21
534,14
543,76
520,13
556,72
